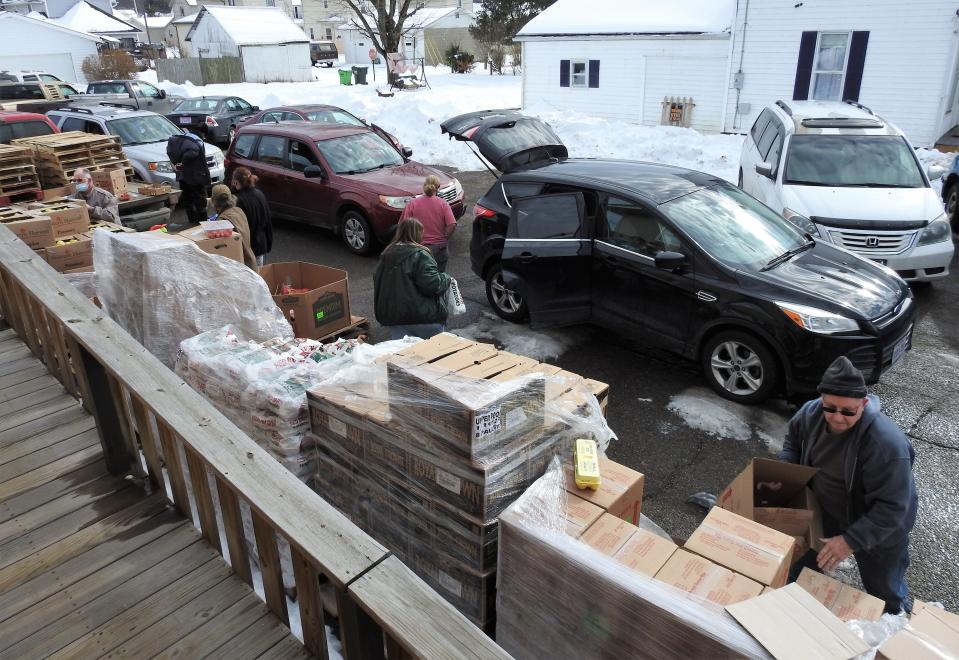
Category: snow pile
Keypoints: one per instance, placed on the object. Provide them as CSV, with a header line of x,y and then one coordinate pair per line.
x,y
632,17
705,411
541,345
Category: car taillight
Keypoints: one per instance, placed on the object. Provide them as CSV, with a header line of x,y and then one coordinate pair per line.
x,y
483,212
210,121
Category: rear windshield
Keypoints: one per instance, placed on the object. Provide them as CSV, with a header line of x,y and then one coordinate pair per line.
x,y
21,92
521,135
198,105
329,48
333,117
106,88
355,154
862,161
20,129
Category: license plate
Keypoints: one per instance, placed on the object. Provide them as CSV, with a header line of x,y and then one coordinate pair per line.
x,y
185,120
900,348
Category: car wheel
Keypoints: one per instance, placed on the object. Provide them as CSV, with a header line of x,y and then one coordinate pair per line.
x,y
507,303
952,206
356,232
740,367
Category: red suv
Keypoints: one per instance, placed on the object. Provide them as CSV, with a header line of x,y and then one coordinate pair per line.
x,y
346,178
15,124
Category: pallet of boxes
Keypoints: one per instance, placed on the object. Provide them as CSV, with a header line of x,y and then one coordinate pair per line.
x,y
424,449
57,157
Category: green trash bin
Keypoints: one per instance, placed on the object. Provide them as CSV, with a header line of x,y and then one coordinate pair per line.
x,y
346,77
359,74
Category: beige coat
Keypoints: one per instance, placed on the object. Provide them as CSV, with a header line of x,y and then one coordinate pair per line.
x,y
237,218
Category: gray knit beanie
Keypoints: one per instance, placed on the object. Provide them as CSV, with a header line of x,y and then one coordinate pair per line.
x,y
842,378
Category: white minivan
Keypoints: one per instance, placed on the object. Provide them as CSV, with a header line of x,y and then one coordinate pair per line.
x,y
848,176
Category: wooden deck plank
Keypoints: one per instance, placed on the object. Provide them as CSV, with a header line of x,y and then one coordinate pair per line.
x,y
50,511
40,411
37,459
219,629
79,542
8,367
23,398
47,584
33,372
37,539
133,620
8,334
64,486
12,351
51,624
50,471
44,439
257,638
41,425
288,647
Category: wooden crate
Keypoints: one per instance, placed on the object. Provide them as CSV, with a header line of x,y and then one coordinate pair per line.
x,y
18,174
59,155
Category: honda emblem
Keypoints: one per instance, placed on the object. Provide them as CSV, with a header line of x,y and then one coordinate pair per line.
x,y
872,241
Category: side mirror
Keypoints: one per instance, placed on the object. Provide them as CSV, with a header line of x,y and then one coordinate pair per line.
x,y
256,108
314,172
162,93
765,169
935,172
670,260
407,152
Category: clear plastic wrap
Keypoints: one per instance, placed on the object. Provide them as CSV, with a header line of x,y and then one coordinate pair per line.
x,y
163,290
559,598
85,283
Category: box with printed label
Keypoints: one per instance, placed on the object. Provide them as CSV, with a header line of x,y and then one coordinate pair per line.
x,y
473,593
67,217
701,577
645,552
744,546
842,600
620,493
70,253
608,534
315,299
33,229
113,180
931,632
579,515
230,247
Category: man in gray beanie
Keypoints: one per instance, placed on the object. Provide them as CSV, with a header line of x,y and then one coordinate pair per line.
x,y
864,485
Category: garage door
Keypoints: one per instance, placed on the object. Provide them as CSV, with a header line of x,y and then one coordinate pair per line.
x,y
59,64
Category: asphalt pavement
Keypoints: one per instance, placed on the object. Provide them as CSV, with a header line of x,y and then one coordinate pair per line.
x,y
684,438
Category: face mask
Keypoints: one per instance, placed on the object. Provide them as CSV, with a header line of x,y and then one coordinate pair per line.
x,y
83,187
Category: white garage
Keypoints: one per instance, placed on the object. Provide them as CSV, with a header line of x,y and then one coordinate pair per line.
x,y
36,44
271,47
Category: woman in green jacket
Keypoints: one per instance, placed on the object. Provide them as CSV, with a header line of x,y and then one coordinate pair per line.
x,y
409,292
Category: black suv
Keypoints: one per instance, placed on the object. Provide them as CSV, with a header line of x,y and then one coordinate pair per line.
x,y
682,259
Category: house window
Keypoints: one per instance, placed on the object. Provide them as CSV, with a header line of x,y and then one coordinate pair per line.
x,y
577,70
829,69
329,34
312,36
271,3
296,11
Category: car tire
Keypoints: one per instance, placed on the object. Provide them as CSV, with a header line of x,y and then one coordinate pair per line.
x,y
506,303
740,367
356,232
952,205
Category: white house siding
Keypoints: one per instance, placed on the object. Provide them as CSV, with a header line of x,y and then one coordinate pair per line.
x,y
29,44
211,40
277,63
910,57
634,76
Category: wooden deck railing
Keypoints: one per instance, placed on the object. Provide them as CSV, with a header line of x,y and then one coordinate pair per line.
x,y
384,610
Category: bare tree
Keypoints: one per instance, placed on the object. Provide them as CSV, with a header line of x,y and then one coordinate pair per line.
x,y
384,22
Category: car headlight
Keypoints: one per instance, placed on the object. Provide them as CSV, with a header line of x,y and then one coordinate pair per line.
x,y
459,188
800,221
395,202
817,320
164,167
936,231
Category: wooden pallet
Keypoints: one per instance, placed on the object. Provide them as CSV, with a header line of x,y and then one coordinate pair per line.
x,y
359,328
21,197
59,155
18,175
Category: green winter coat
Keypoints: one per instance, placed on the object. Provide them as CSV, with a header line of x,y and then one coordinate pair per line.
x,y
408,288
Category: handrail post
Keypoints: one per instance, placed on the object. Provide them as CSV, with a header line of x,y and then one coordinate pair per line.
x,y
361,636
116,451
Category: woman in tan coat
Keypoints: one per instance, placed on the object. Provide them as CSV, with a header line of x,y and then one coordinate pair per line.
x,y
224,205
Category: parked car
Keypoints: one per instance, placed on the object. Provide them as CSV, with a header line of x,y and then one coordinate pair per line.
x,y
950,194
681,259
29,76
38,96
142,134
215,118
851,178
14,124
342,177
328,114
136,94
323,52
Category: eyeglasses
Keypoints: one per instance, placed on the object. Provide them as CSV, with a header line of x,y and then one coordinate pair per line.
x,y
845,413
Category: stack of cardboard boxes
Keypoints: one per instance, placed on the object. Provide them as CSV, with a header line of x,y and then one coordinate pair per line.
x,y
426,461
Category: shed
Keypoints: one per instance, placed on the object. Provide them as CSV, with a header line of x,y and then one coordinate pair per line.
x,y
86,17
44,45
271,47
427,33
621,58
176,32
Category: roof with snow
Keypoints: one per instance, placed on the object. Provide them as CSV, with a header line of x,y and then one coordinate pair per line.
x,y
422,18
12,16
185,20
253,26
84,17
610,17
158,21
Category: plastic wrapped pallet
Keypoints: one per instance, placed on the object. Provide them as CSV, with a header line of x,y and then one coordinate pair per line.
x,y
559,598
163,290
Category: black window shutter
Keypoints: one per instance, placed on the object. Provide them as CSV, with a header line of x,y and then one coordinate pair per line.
x,y
564,73
594,73
855,66
807,53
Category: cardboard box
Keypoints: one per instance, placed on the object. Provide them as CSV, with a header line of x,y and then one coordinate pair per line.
x,y
701,577
744,546
323,309
111,227
930,633
68,217
792,509
62,192
113,180
620,494
579,514
645,552
608,534
231,248
76,252
34,230
842,600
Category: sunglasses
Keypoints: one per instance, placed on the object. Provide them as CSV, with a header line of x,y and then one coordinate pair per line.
x,y
842,411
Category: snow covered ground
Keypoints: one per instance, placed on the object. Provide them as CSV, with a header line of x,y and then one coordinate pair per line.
x,y
415,117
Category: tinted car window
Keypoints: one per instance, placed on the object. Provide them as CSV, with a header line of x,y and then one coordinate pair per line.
x,y
244,105
106,88
774,151
301,156
143,129
78,124
149,91
333,117
637,228
761,123
271,150
362,152
243,146
547,216
21,92
197,105
21,129
852,160
515,189
767,138
232,105
67,90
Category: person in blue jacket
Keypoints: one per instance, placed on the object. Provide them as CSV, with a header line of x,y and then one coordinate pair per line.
x,y
864,485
